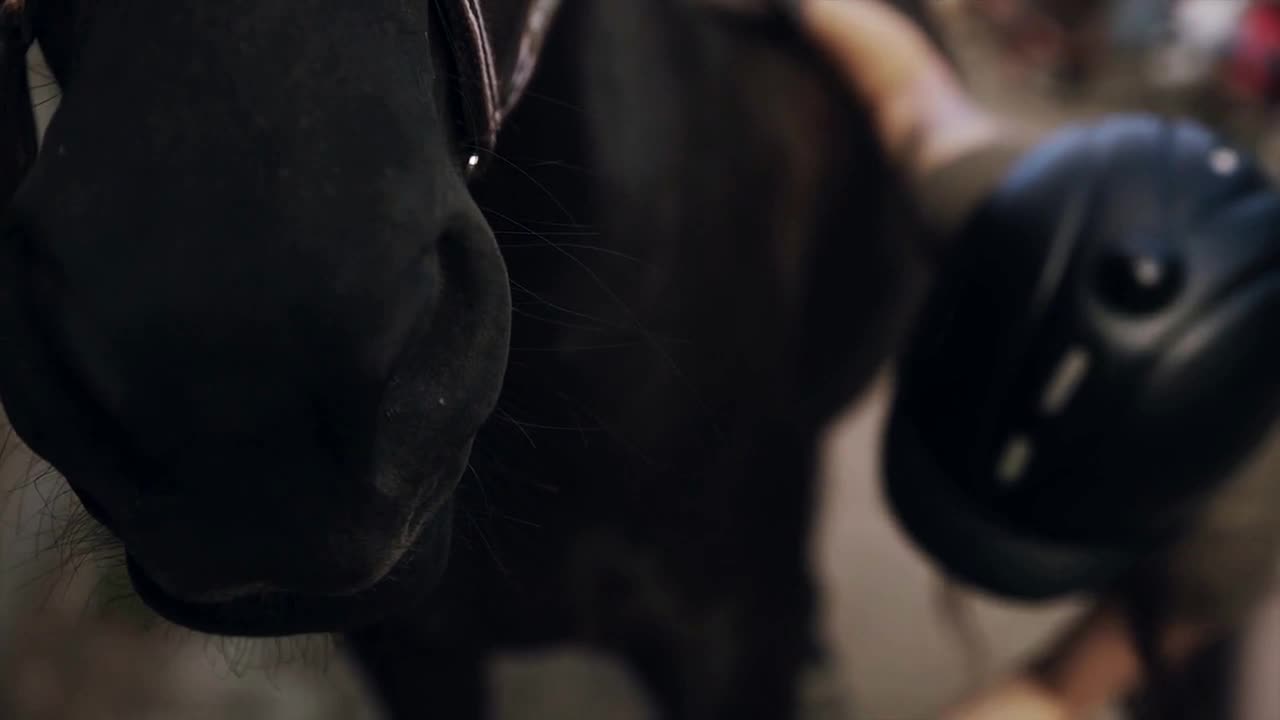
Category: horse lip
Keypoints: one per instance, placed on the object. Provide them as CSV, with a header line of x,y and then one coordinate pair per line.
x,y
415,525
208,597
277,614
267,610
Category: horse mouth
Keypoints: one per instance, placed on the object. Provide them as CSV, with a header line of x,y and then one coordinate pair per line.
x,y
260,610
352,584
410,571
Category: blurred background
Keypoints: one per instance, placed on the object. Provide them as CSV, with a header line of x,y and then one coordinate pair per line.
x,y
75,644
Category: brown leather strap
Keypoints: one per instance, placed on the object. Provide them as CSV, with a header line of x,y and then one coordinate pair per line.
x,y
498,44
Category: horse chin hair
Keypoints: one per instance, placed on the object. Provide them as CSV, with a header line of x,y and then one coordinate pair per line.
x,y
242,656
52,561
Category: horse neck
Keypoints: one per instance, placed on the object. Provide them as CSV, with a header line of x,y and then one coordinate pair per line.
x,y
696,202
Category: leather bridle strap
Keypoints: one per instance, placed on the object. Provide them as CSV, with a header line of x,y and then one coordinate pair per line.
x,y
496,46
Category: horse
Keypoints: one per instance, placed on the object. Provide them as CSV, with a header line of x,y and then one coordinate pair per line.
x,y
322,360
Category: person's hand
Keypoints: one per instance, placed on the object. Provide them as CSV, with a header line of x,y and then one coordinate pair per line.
x,y
1087,670
926,120
922,113
1018,698
946,147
